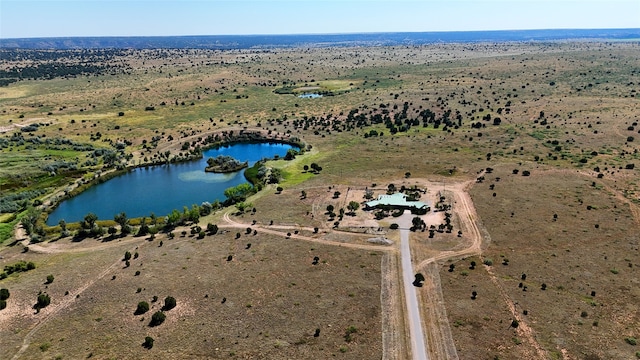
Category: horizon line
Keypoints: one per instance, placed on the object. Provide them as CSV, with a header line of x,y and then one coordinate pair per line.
x,y
313,34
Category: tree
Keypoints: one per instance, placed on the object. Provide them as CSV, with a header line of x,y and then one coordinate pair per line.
x,y
144,228
90,221
43,301
353,206
142,308
157,318
148,342
212,228
127,255
243,206
112,230
173,219
4,294
336,194
63,225
238,193
306,168
418,280
303,194
330,208
49,279
193,214
169,303
279,189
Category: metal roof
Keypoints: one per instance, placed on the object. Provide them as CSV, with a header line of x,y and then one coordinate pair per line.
x,y
397,200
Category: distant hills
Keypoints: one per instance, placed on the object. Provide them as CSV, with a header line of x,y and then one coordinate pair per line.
x,y
227,42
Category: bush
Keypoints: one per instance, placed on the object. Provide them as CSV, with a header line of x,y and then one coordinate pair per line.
x,y
4,294
169,303
157,318
3,304
42,302
631,340
142,308
488,262
393,226
49,279
148,342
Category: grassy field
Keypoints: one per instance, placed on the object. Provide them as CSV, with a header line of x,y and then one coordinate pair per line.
x,y
568,116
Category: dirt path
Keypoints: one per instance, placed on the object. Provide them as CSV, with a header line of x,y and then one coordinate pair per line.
x,y
52,311
270,230
523,329
393,346
438,329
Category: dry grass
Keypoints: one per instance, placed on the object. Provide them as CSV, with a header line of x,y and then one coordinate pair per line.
x,y
579,252
590,106
275,299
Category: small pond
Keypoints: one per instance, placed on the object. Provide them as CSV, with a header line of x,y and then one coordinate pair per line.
x,y
309,96
160,189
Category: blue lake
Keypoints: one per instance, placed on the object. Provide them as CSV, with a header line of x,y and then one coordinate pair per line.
x,y
160,189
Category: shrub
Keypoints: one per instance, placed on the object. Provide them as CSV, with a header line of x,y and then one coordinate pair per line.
x,y
43,301
142,308
488,262
157,318
631,340
4,294
169,303
393,226
3,304
148,342
349,332
49,279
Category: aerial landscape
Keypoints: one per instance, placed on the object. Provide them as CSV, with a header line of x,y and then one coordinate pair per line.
x,y
353,191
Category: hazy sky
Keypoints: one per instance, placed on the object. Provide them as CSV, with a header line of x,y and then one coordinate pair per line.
x,y
49,18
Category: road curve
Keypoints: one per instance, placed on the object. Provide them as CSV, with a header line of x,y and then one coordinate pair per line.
x,y
418,347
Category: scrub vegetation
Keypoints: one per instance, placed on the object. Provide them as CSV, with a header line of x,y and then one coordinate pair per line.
x,y
547,135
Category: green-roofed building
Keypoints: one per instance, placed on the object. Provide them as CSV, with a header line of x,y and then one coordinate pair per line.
x,y
397,201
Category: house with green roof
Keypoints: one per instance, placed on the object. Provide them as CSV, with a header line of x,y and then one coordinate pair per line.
x,y
397,201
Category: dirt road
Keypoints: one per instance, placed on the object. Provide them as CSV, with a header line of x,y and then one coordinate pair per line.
x,y
418,347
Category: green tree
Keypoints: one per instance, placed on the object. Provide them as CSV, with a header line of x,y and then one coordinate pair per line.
x,y
169,303
121,219
63,225
194,213
4,294
42,302
173,219
142,308
112,230
49,279
157,318
243,206
89,221
212,228
144,228
148,342
238,193
353,206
